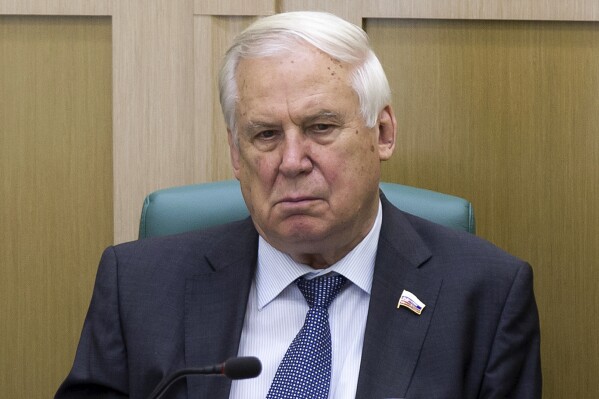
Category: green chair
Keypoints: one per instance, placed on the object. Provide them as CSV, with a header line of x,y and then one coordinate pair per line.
x,y
198,206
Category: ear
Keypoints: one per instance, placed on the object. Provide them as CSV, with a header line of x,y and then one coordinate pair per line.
x,y
387,126
234,153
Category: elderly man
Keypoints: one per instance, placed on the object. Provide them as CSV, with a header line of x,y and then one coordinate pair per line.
x,y
310,283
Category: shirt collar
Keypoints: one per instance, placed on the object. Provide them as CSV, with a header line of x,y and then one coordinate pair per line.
x,y
276,270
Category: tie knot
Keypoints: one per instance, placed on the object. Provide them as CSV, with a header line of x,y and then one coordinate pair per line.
x,y
320,291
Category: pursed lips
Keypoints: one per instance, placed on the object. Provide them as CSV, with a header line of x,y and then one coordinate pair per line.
x,y
297,201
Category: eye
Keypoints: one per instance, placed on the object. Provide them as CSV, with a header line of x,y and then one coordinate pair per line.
x,y
321,128
266,134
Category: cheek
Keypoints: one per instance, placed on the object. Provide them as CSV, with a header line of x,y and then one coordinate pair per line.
x,y
259,167
265,166
360,150
361,161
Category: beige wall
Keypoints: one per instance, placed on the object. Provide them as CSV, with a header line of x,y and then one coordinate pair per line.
x,y
496,102
55,190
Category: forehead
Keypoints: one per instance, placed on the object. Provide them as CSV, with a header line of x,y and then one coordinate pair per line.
x,y
302,78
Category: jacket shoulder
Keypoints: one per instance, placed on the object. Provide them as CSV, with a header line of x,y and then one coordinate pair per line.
x,y
226,243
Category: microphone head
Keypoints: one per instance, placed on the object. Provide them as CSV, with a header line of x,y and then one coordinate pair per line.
x,y
240,368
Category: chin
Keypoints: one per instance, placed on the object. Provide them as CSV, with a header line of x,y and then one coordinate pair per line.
x,y
300,232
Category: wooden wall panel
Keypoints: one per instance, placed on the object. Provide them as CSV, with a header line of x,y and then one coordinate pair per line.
x,y
538,10
56,7
55,191
235,8
214,35
347,9
153,103
505,114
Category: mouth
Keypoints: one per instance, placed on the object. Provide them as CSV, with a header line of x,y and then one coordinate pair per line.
x,y
297,199
297,203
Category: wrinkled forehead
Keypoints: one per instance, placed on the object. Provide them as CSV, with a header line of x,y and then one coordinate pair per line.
x,y
302,86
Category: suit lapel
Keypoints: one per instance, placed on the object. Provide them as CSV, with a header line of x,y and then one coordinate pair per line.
x,y
215,304
394,337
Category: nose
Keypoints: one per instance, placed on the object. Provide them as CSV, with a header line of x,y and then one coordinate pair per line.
x,y
295,159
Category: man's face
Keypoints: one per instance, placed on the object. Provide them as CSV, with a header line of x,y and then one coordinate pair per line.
x,y
308,166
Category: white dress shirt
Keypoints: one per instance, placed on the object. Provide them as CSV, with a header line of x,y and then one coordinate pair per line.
x,y
276,311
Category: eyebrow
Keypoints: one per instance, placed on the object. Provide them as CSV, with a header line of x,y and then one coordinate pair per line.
x,y
256,126
323,114
253,126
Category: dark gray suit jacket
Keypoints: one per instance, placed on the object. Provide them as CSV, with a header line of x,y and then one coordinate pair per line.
x,y
162,304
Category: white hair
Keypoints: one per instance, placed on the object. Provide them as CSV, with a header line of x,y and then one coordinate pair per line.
x,y
280,33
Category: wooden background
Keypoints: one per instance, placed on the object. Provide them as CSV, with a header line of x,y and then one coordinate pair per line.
x,y
56,212
104,101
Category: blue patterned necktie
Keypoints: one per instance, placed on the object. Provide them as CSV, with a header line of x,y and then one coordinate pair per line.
x,y
305,371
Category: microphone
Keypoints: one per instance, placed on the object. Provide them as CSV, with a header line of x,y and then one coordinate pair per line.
x,y
235,368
